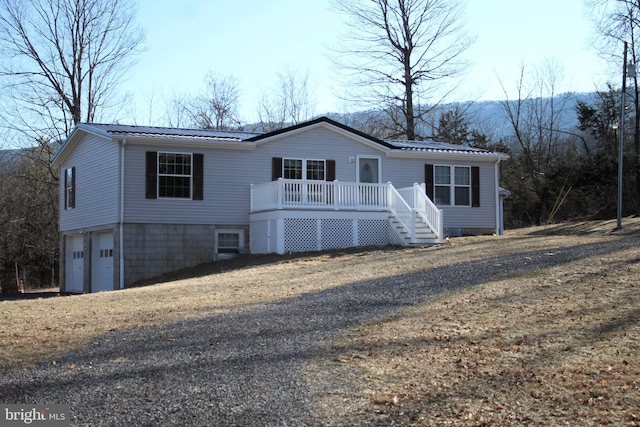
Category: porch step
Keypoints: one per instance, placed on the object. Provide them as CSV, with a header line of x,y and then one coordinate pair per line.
x,y
424,235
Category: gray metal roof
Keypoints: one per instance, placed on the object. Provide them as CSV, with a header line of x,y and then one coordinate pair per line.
x,y
239,136
437,147
142,131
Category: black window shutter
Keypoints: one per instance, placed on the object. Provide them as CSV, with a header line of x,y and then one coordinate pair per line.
x,y
152,175
428,180
72,196
66,178
198,177
331,170
276,168
475,187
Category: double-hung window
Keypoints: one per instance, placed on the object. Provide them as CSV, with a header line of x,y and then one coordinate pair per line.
x,y
442,184
174,175
462,186
312,170
452,185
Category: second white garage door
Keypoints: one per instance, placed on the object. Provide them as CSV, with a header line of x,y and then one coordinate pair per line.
x,y
102,262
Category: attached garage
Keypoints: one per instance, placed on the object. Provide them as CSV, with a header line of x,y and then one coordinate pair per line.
x,y
102,262
74,263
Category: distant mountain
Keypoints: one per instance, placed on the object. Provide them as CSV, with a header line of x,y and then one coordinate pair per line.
x,y
7,156
491,118
488,117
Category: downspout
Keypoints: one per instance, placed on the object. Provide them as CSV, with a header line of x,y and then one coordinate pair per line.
x,y
497,199
121,213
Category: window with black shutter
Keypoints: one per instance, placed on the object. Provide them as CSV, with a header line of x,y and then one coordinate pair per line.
x,y
174,175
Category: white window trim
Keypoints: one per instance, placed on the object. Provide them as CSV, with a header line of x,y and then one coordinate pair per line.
x,y
377,158
304,167
436,185
158,175
240,232
452,186
467,186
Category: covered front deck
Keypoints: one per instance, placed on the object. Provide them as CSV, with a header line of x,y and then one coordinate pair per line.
x,y
290,215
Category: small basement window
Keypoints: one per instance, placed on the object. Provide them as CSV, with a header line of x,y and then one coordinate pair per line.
x,y
229,243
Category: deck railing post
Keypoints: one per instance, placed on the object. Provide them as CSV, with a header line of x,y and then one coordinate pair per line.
x,y
280,192
413,225
418,202
336,200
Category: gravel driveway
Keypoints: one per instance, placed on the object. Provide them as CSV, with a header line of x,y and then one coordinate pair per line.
x,y
243,368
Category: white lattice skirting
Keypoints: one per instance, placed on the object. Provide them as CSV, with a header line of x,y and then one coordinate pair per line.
x,y
291,231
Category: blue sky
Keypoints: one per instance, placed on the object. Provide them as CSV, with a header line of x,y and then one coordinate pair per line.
x,y
254,40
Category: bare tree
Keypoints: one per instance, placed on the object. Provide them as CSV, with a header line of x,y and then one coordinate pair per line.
x,y
398,55
62,61
540,131
215,107
618,21
218,106
289,103
28,218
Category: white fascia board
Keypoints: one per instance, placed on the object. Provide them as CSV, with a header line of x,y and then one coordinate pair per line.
x,y
434,155
329,126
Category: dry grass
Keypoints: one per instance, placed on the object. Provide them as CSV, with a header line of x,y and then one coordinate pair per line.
x,y
555,347
550,347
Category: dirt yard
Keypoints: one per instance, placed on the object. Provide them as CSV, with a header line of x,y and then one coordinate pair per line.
x,y
550,347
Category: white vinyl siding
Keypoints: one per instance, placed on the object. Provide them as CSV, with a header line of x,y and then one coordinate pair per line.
x,y
228,175
405,172
95,162
226,190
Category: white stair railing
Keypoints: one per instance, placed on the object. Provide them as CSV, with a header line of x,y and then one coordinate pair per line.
x,y
417,198
403,213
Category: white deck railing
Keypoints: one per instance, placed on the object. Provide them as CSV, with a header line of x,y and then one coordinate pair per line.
x,y
302,194
405,204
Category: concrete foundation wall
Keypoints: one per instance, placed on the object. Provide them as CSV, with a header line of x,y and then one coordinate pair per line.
x,y
154,249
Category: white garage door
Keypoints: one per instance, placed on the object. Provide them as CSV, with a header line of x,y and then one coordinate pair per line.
x,y
75,264
102,265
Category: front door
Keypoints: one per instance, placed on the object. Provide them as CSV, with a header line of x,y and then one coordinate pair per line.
x,y
369,177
